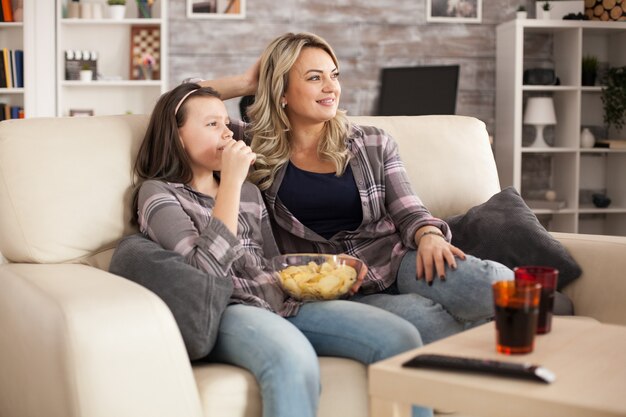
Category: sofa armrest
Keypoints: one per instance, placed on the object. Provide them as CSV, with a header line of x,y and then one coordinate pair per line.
x,y
601,289
78,341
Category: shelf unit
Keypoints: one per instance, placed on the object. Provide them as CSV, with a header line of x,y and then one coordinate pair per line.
x,y
574,173
33,37
12,38
115,92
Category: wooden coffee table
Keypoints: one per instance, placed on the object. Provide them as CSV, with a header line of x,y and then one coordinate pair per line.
x,y
588,358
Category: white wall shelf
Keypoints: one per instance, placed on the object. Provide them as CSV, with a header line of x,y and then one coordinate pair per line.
x,y
110,22
108,84
574,172
114,92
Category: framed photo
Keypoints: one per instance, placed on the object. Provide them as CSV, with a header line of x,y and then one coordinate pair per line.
x,y
145,52
216,9
454,11
81,112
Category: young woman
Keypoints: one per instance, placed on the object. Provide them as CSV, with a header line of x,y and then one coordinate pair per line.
x,y
219,223
331,186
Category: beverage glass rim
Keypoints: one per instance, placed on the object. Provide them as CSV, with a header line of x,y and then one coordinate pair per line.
x,y
536,269
518,285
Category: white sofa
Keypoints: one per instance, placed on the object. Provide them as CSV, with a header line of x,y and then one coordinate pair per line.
x,y
79,341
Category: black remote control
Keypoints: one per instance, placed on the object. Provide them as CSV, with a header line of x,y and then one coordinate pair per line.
x,y
517,370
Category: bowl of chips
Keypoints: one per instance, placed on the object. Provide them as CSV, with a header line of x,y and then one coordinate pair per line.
x,y
315,276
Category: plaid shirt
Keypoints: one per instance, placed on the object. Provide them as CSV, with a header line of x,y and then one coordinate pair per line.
x,y
392,213
180,219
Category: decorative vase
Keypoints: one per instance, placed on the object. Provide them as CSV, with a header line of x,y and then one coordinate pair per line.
x,y
86,75
117,11
521,14
144,10
588,78
587,140
600,200
73,10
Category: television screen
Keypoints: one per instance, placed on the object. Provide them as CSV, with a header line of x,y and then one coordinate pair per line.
x,y
411,91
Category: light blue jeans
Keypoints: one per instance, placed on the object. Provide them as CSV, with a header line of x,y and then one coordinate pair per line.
x,y
447,307
282,353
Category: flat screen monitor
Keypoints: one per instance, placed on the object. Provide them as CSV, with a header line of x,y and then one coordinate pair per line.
x,y
411,91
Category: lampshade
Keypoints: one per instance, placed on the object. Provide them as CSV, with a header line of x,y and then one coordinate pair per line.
x,y
540,111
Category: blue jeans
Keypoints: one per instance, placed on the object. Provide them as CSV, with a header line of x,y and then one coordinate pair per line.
x,y
447,307
282,353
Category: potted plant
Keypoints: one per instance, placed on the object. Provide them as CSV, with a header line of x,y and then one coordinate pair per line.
x,y
614,97
589,70
86,73
544,11
521,12
117,9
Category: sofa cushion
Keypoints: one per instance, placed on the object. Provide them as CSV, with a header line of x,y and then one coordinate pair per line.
x,y
226,390
196,299
505,230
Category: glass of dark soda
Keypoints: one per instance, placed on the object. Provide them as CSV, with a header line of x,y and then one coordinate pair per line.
x,y
517,310
547,277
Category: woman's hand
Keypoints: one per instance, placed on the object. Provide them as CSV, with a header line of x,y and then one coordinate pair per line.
x,y
252,76
433,252
236,160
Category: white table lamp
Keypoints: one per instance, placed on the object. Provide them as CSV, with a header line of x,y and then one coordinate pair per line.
x,y
540,112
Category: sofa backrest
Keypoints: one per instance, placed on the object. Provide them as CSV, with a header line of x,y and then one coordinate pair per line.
x,y
448,159
65,183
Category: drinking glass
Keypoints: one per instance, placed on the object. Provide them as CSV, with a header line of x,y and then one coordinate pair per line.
x,y
517,310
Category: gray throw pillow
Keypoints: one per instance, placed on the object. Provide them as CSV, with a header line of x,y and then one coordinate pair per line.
x,y
196,299
505,230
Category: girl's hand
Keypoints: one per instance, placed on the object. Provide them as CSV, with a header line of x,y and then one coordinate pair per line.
x,y
433,252
236,160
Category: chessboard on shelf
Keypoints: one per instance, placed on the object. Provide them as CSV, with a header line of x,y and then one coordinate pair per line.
x,y
145,52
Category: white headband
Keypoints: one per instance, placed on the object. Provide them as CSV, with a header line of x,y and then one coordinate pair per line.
x,y
180,103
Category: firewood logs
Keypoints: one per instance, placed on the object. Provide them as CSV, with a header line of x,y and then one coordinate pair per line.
x,y
605,9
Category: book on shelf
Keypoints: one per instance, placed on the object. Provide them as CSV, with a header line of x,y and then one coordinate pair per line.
x,y
3,76
11,68
10,112
611,143
7,67
19,68
7,11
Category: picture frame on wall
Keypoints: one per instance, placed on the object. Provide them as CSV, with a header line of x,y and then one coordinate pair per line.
x,y
454,11
216,9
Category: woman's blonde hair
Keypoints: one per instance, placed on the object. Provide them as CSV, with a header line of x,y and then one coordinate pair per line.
x,y
270,126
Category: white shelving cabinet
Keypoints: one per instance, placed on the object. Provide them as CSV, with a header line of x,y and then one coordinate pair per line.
x,y
115,93
33,37
574,172
12,38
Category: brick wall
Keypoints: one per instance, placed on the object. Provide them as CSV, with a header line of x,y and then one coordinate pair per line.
x,y
366,35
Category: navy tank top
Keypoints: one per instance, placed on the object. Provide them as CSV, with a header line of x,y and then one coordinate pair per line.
x,y
324,203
